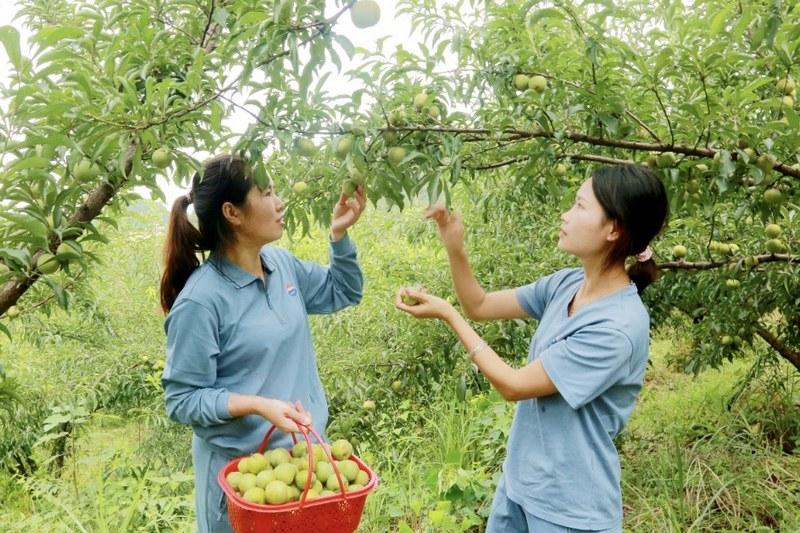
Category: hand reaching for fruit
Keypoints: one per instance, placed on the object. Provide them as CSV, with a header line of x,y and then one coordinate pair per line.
x,y
420,304
347,212
451,228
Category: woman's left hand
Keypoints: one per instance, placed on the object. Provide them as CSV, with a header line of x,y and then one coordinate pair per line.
x,y
347,212
426,306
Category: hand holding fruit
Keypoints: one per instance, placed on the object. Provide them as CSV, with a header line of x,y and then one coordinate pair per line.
x,y
426,306
347,212
451,228
286,416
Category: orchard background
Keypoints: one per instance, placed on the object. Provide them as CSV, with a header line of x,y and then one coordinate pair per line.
x,y
500,109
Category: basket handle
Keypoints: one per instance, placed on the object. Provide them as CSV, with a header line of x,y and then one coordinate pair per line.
x,y
304,430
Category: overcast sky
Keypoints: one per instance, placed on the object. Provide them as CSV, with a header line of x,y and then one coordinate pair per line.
x,y
397,28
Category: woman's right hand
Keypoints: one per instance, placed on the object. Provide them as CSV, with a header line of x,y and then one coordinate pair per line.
x,y
451,228
285,416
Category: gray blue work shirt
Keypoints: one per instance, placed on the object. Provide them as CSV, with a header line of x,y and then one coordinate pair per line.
x,y
562,465
230,332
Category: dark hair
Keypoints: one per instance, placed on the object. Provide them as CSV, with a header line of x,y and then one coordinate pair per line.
x,y
634,197
225,178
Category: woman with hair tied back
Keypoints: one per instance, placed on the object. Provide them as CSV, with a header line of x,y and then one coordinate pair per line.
x,y
586,360
239,350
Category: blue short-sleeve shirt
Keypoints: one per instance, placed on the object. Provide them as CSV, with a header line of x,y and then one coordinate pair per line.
x,y
229,332
562,465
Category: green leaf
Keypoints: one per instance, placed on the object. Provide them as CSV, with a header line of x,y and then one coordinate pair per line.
x,y
136,166
434,189
55,420
215,120
412,156
47,437
305,80
82,80
32,225
58,291
792,118
260,175
773,23
253,17
9,36
455,171
220,15
461,389
542,14
21,256
108,220
719,20
346,45
56,56
29,162
51,35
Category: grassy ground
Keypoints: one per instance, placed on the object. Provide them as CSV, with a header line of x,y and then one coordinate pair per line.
x,y
691,464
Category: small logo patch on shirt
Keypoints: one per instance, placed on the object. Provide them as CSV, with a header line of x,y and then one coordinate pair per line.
x,y
291,290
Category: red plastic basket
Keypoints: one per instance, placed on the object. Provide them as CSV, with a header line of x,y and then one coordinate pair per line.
x,y
339,513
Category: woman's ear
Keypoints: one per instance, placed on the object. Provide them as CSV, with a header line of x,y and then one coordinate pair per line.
x,y
232,214
614,232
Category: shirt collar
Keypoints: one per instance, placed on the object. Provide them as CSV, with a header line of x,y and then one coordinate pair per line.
x,y
237,275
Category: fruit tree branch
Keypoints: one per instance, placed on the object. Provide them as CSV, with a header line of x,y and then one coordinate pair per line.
x,y
575,85
500,164
104,192
90,208
321,28
486,134
172,26
708,265
641,123
787,352
598,159
666,115
209,20
71,283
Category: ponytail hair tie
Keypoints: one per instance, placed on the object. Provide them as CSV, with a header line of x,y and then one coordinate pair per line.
x,y
189,197
646,255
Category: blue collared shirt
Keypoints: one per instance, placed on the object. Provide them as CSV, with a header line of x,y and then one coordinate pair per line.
x,y
230,332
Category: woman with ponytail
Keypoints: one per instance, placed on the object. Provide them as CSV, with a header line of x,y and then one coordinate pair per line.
x,y
586,360
239,349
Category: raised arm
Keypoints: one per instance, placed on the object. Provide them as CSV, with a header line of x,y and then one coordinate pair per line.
x,y
326,289
476,302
